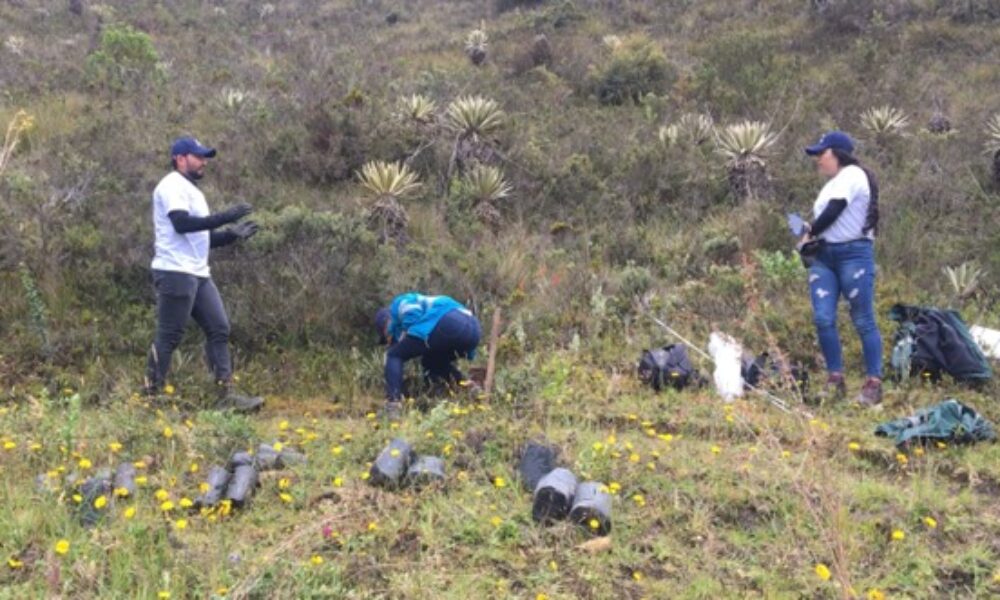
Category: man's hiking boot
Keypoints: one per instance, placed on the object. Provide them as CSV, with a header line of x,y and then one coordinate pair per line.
x,y
871,393
392,411
833,390
236,402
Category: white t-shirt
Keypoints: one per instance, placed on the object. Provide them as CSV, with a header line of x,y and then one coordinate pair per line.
x,y
849,184
179,252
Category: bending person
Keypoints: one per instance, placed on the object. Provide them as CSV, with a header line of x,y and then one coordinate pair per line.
x,y
185,230
846,222
438,329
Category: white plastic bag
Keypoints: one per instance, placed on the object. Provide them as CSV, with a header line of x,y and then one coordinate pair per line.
x,y
988,340
727,355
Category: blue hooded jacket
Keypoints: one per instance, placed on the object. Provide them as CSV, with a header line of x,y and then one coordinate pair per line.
x,y
417,315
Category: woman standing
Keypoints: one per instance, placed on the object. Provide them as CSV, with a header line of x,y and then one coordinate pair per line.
x,y
841,243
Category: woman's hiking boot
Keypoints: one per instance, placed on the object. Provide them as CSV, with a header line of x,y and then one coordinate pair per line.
x,y
871,393
833,390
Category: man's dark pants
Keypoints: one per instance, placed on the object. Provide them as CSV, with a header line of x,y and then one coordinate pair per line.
x,y
179,296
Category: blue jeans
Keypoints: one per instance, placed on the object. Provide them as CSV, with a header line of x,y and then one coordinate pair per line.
x,y
455,335
847,270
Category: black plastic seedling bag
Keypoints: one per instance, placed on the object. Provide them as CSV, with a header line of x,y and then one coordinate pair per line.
x,y
218,481
91,490
125,478
425,470
553,496
592,503
536,462
242,484
391,465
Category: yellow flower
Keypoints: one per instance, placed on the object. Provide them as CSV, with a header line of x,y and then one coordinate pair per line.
x,y
129,512
204,487
786,454
336,450
614,487
394,453
541,596
594,524
62,547
278,446
666,437
225,507
598,446
930,522
875,594
13,563
716,450
77,498
370,416
193,468
163,595
854,446
284,483
121,492
918,451
346,437
161,494
167,506
639,499
446,450
499,482
373,526
553,566
941,445
141,480
496,521
168,432
168,389
34,446
338,482
365,476
139,464
612,439
283,425
902,458
822,571
100,502
85,463
316,560
286,497
181,523
633,417
730,418
115,446
633,458
637,575
186,503
898,535
222,591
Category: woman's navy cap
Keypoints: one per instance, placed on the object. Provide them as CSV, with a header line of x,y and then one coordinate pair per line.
x,y
189,145
837,140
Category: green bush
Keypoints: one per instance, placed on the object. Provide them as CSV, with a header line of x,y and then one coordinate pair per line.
x,y
631,70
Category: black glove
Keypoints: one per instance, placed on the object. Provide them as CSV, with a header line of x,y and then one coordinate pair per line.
x,y
236,212
245,230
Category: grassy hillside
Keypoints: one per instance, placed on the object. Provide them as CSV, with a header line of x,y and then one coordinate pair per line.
x,y
620,203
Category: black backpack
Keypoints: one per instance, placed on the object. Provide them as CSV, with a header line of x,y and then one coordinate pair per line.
x,y
668,366
930,342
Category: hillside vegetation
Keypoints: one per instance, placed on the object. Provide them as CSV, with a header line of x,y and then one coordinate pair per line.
x,y
580,165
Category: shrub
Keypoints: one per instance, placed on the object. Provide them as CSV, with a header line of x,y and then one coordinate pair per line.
x,y
633,68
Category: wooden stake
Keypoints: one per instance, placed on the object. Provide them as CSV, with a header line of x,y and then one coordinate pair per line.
x,y
491,362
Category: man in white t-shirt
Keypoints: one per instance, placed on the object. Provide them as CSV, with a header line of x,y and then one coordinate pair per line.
x,y
185,231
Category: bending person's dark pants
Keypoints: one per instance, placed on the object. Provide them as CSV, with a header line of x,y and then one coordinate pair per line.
x,y
456,335
178,297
